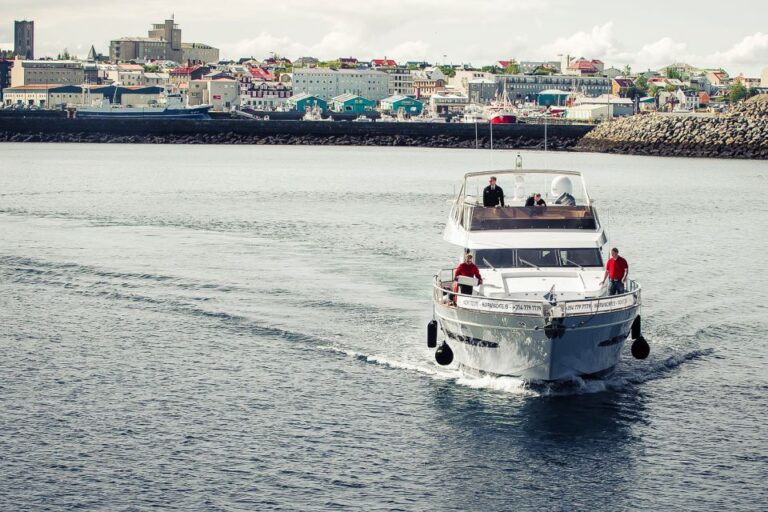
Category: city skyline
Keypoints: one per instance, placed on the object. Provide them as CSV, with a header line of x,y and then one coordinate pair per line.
x,y
437,31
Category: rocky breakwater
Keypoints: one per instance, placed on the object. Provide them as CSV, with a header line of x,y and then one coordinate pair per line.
x,y
741,132
231,131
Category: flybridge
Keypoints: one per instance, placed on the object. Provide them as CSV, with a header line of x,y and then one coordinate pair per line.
x,y
521,217
565,202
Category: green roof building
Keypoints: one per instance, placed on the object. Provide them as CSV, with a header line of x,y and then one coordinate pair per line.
x,y
402,104
304,102
352,103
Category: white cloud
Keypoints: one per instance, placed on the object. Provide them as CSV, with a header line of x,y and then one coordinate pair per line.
x,y
750,53
598,43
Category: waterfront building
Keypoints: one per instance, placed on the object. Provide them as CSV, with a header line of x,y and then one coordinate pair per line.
x,y
352,103
552,98
5,75
304,102
38,72
163,42
618,107
447,103
28,95
262,95
400,104
24,39
328,83
223,94
482,91
527,87
61,96
400,81
588,113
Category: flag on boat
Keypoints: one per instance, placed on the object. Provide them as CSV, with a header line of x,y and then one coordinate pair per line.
x,y
551,296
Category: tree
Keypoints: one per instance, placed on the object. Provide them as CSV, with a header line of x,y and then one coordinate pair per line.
x,y
513,68
490,69
627,70
737,93
448,71
653,91
674,73
670,88
64,55
641,85
151,68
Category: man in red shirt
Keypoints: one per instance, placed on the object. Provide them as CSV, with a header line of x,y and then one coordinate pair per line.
x,y
469,269
617,270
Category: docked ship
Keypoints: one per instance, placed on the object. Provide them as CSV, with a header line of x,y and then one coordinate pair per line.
x,y
542,312
173,108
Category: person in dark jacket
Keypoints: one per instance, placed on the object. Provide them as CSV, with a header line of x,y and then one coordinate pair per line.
x,y
493,195
535,200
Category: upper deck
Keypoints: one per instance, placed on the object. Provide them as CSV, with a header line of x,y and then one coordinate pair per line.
x,y
568,208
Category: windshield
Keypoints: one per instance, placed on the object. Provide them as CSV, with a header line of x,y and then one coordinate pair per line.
x,y
520,258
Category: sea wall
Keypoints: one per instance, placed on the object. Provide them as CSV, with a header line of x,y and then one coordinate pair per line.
x,y
237,131
742,132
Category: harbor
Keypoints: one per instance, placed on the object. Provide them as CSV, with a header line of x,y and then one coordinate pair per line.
x,y
206,327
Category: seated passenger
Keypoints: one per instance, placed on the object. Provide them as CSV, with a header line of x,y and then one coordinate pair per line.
x,y
566,199
535,200
493,195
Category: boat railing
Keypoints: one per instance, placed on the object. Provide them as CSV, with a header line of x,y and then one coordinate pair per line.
x,y
442,293
479,218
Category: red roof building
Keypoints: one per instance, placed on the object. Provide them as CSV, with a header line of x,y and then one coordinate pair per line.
x,y
383,63
260,73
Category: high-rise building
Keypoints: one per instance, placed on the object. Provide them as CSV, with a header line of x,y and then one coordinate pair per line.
x,y
24,39
163,43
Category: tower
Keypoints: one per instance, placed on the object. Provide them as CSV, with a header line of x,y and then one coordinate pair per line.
x,y
24,39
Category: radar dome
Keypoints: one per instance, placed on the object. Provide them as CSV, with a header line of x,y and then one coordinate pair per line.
x,y
561,185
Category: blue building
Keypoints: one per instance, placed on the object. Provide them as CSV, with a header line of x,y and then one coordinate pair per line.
x,y
552,97
352,103
304,102
405,104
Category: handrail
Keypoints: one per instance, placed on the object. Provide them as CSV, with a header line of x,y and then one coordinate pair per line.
x,y
580,306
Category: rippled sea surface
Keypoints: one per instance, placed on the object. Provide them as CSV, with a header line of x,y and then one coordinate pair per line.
x,y
243,328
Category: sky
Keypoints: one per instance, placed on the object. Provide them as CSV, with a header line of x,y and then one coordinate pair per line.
x,y
644,35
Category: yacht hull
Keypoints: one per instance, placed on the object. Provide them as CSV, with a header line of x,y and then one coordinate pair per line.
x,y
530,348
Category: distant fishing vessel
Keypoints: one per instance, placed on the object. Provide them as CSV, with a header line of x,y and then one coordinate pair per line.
x,y
542,312
172,109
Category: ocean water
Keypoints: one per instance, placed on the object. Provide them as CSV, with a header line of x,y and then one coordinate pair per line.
x,y
243,328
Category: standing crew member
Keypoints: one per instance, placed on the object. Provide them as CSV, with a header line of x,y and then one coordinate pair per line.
x,y
493,195
469,269
617,270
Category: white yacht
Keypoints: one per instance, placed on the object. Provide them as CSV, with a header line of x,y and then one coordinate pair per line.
x,y
541,312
